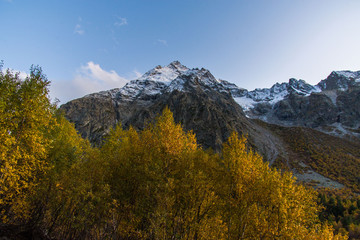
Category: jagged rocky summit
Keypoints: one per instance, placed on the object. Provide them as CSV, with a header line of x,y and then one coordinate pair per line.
x,y
332,106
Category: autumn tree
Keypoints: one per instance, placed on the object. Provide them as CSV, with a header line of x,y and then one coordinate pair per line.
x,y
73,198
158,179
261,203
25,120
50,177
186,199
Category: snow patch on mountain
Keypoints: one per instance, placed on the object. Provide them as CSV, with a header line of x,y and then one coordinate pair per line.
x,y
245,102
176,84
135,88
349,74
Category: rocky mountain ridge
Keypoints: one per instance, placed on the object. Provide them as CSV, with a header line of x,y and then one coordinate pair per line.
x,y
295,103
198,100
213,108
331,106
160,80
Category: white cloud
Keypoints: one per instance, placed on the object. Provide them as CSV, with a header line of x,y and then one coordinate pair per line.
x,y
78,29
92,78
162,41
22,75
120,22
88,79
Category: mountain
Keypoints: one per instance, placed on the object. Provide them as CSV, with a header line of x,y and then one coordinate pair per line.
x,y
332,106
213,108
198,100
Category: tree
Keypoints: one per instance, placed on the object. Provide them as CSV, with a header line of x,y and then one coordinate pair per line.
x,y
158,179
186,201
261,203
25,120
72,200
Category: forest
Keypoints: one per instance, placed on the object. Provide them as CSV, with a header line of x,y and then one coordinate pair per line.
x,y
157,183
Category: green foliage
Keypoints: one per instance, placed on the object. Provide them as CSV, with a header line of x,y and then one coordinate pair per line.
x,y
341,210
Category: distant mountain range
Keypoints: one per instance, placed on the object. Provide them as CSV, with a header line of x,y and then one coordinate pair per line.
x,y
282,123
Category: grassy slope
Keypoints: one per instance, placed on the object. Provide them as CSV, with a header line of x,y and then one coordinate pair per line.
x,y
333,157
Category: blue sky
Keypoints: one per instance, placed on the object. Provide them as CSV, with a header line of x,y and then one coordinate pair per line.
x,y
86,46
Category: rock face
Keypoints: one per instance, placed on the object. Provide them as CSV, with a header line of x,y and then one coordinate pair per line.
x,y
340,80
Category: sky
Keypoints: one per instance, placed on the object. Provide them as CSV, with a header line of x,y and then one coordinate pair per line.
x,y
86,46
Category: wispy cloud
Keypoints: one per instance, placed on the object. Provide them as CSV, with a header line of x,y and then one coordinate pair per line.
x,y
78,29
162,41
137,74
114,37
120,21
88,79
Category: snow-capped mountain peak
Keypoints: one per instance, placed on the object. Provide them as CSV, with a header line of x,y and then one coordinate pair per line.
x,y
349,74
167,79
165,74
248,99
340,80
301,87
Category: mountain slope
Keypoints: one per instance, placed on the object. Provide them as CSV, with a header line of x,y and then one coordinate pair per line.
x,y
311,155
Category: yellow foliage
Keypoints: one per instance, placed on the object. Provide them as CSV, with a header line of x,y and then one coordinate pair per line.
x,y
25,119
261,203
